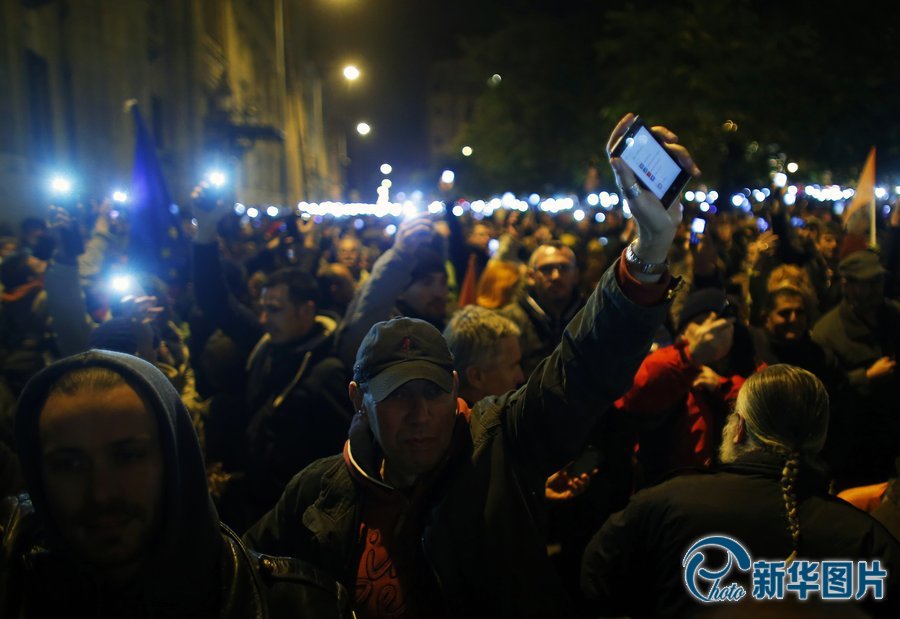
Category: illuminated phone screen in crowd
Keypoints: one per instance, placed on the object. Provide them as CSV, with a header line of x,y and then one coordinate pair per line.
x,y
650,162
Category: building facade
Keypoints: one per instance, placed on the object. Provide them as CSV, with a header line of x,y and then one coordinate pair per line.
x,y
219,83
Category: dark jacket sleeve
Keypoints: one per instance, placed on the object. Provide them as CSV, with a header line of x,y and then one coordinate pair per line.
x,y
216,302
324,536
456,244
281,532
374,301
594,364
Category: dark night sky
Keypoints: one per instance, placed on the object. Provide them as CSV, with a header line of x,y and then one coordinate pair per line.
x,y
393,42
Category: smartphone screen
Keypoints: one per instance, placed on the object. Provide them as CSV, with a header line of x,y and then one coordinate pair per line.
x,y
651,164
698,227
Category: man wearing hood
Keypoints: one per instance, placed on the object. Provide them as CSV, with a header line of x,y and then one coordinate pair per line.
x,y
436,511
295,405
119,522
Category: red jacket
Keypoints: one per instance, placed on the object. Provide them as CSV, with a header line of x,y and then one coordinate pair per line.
x,y
683,424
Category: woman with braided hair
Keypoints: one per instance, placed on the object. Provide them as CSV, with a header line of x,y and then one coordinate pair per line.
x,y
769,493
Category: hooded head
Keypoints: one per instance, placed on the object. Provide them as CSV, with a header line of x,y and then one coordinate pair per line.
x,y
116,475
427,294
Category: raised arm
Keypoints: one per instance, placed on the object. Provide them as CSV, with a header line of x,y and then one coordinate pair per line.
x,y
376,297
605,343
213,298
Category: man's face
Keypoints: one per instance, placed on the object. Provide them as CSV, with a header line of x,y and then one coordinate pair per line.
x,y
827,245
863,295
505,373
788,320
427,296
103,473
480,236
284,320
554,275
348,253
414,426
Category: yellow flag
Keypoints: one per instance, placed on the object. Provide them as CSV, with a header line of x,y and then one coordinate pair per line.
x,y
865,189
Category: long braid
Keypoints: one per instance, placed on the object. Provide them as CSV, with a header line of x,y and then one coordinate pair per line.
x,y
789,494
785,412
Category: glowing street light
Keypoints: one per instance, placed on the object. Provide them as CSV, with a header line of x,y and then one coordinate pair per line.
x,y
447,177
351,73
363,128
792,167
119,196
467,151
386,168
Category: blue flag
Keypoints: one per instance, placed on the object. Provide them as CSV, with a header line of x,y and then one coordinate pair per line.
x,y
157,243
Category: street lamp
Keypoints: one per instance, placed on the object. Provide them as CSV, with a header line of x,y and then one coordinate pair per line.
x,y
363,128
351,73
386,168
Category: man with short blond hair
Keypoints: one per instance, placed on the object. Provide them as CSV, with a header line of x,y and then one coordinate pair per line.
x,y
486,353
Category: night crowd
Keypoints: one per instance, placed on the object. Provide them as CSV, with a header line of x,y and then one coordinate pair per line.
x,y
517,414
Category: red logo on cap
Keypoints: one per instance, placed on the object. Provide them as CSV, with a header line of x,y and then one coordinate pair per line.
x,y
406,345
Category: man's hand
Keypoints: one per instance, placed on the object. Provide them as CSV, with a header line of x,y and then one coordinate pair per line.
x,y
68,235
209,209
707,379
710,340
413,233
882,368
656,223
143,308
561,487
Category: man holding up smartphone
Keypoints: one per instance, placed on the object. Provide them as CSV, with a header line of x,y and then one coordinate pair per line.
x,y
446,501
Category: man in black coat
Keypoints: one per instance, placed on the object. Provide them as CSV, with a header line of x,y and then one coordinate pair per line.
x,y
434,510
863,333
295,407
769,495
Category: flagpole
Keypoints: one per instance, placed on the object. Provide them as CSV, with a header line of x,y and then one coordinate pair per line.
x,y
872,213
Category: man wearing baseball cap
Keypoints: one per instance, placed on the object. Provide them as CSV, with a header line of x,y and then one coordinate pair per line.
x,y
863,332
434,510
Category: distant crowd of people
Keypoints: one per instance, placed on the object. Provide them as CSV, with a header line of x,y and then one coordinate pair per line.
x,y
509,415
